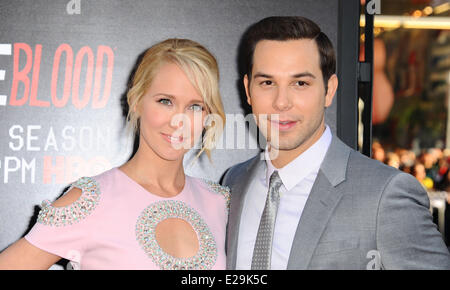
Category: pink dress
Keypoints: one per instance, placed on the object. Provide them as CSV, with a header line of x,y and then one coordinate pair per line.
x,y
112,224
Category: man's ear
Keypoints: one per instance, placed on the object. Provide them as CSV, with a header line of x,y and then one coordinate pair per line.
x,y
332,87
249,101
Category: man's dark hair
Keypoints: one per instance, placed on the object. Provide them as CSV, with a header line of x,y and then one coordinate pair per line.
x,y
290,28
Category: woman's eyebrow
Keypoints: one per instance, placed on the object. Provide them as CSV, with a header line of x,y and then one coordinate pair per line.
x,y
165,95
197,101
201,101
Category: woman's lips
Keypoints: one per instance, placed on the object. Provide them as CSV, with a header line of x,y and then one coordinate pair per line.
x,y
284,125
172,140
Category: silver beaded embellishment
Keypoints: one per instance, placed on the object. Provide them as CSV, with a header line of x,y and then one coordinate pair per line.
x,y
159,211
224,190
75,212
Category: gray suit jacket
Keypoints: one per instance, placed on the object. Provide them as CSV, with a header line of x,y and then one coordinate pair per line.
x,y
360,214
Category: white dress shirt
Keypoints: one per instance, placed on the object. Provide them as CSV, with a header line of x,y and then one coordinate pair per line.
x,y
298,178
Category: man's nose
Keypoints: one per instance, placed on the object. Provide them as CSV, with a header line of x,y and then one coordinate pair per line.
x,y
282,102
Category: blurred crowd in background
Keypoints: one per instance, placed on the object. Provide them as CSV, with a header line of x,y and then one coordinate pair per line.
x,y
431,167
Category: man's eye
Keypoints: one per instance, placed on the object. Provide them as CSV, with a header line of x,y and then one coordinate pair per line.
x,y
266,83
165,101
196,108
301,83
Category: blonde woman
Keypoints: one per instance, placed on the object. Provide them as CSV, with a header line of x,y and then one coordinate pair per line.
x,y
146,214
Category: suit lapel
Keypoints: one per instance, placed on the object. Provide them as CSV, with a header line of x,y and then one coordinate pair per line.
x,y
238,193
318,209
322,200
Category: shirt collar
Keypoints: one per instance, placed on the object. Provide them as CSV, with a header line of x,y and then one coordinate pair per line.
x,y
304,164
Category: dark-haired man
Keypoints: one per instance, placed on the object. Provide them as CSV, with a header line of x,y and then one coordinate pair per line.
x,y
315,203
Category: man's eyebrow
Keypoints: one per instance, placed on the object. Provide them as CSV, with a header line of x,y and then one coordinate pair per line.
x,y
299,75
262,75
304,74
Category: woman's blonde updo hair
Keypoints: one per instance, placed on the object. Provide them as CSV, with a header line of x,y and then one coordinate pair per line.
x,y
200,67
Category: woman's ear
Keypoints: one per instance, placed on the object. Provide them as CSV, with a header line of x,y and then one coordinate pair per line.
x,y
137,109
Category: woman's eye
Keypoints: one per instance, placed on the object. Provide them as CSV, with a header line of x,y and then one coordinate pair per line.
x,y
196,108
165,102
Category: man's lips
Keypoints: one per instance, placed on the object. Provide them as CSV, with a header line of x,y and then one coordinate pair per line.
x,y
283,125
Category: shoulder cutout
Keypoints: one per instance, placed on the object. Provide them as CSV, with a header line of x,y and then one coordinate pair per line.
x,y
72,195
79,202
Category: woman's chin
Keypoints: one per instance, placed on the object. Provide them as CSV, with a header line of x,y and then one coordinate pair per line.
x,y
173,154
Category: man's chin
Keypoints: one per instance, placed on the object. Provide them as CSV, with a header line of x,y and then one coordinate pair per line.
x,y
285,146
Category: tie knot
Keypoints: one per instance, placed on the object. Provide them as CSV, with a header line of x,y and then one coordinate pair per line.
x,y
275,180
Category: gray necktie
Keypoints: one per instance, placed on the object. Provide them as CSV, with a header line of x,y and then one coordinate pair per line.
x,y
263,245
